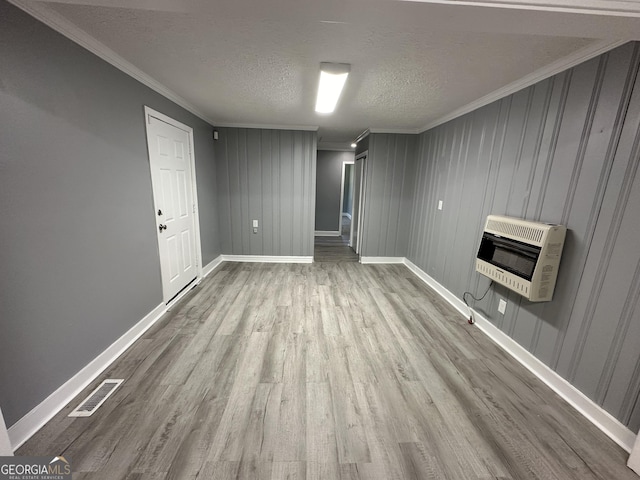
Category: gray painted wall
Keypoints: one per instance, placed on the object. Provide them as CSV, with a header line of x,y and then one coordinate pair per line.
x,y
565,150
328,184
80,259
270,176
390,170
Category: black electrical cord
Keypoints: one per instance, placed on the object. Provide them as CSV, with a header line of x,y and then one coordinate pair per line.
x,y
464,299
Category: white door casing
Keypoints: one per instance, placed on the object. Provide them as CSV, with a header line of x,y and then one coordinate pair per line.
x,y
5,444
344,168
172,165
357,215
634,458
355,212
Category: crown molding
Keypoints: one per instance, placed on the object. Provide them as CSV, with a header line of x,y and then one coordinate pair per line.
x,y
616,8
560,65
57,22
268,126
362,135
324,148
398,131
592,7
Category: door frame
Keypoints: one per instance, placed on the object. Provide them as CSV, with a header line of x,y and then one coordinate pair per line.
x,y
344,169
148,111
634,458
361,202
6,450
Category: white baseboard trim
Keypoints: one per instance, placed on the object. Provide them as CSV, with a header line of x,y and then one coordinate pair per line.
x,y
211,266
327,233
602,419
266,259
574,397
444,293
345,214
381,260
33,421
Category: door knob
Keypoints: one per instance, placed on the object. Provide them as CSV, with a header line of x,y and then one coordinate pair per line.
x,y
162,227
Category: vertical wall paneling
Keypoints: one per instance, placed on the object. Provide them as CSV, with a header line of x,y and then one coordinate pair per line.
x,y
565,150
390,168
269,176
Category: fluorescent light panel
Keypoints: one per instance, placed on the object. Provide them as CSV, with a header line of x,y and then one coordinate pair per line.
x,y
332,79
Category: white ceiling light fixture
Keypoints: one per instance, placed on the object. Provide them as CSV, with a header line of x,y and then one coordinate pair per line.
x,y
354,145
332,79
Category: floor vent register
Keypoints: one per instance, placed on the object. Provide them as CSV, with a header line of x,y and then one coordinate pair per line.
x,y
96,398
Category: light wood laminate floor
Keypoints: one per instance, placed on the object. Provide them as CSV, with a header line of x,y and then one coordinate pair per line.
x,y
324,371
333,249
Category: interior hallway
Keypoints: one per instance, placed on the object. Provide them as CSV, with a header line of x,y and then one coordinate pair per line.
x,y
335,249
330,371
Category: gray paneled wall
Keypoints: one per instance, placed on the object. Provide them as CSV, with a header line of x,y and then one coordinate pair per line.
x,y
390,170
269,176
328,184
565,150
80,261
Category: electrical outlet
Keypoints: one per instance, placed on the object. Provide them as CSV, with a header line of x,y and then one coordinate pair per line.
x,y
439,204
502,306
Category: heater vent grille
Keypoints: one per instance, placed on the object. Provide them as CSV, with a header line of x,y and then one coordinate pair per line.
x,y
516,231
96,398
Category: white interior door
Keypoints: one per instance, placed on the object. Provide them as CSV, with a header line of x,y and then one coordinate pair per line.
x,y
173,194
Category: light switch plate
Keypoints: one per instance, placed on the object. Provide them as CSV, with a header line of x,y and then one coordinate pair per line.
x,y
255,224
439,204
502,306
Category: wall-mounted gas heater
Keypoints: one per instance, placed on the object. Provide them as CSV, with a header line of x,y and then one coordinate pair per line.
x,y
523,256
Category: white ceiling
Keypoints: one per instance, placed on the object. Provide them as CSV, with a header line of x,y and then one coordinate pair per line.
x,y
255,62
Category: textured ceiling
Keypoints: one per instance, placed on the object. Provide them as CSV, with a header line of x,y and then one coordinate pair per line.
x,y
257,62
